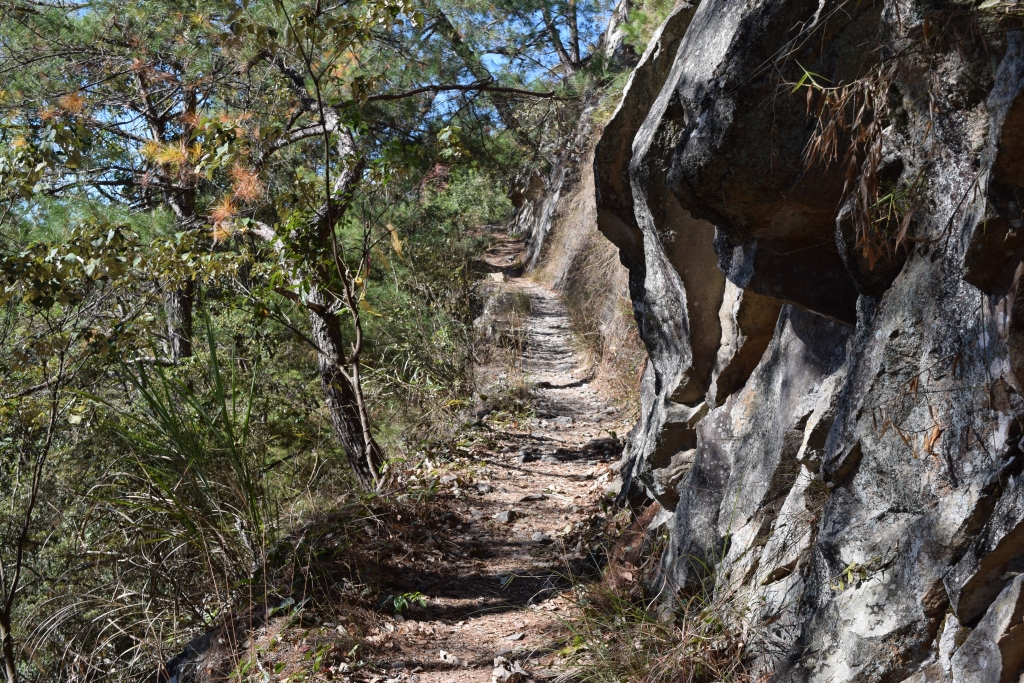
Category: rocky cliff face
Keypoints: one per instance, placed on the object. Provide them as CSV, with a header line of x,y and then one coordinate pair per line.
x,y
831,410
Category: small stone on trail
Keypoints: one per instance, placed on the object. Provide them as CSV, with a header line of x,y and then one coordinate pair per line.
x,y
484,488
476,513
506,516
540,537
508,672
515,636
530,497
449,658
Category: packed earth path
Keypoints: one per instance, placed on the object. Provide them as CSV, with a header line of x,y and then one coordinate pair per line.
x,y
503,614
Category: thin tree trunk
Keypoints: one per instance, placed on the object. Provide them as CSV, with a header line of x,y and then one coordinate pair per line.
x,y
574,32
183,204
179,321
339,377
340,380
7,641
556,41
339,371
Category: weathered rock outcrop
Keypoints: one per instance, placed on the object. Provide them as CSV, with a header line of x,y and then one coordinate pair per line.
x,y
994,651
679,294
836,434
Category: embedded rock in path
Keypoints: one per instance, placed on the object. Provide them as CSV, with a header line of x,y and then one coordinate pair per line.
x,y
509,672
454,660
506,516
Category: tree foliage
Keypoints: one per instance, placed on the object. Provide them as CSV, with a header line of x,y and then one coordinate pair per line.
x,y
300,187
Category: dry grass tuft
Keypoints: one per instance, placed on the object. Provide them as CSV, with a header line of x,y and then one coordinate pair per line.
x,y
854,115
617,639
630,629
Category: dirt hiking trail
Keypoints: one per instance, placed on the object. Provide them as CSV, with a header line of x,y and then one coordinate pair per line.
x,y
533,519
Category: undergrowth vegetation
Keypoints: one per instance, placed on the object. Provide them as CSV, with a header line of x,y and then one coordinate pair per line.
x,y
177,495
617,639
634,627
419,365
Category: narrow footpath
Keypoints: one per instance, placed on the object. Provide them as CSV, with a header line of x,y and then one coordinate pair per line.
x,y
531,526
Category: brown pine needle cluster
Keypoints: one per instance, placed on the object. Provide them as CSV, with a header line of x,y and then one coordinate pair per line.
x,y
223,212
246,185
71,104
221,215
246,188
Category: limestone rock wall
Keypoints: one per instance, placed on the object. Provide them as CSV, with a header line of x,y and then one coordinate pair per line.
x,y
836,434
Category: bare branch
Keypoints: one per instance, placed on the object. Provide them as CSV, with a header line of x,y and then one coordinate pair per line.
x,y
481,87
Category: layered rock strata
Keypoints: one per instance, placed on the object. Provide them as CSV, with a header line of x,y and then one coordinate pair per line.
x,y
831,409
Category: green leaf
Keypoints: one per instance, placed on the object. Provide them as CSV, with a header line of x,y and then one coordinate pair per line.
x,y
808,76
799,84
